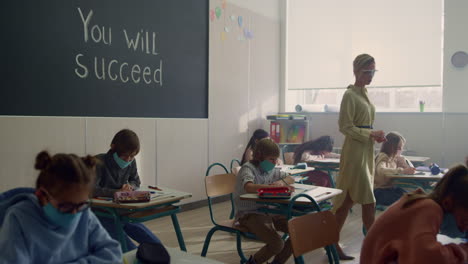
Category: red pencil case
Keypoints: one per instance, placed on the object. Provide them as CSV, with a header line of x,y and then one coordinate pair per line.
x,y
274,192
132,197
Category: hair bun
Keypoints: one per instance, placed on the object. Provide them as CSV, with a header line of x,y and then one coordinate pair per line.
x,y
89,161
43,160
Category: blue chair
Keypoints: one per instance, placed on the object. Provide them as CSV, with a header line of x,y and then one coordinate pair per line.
x,y
217,186
311,231
233,161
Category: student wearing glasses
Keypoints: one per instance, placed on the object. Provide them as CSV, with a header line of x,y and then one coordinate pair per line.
x,y
54,224
357,157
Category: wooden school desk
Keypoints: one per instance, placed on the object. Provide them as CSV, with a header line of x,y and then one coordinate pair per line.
x,y
327,165
302,205
319,194
177,256
295,173
417,161
161,204
289,169
421,179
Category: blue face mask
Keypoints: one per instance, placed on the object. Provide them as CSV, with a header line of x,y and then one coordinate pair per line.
x,y
122,163
59,218
267,166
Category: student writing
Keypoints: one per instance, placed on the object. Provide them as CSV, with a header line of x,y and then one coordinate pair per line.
x,y
117,171
390,161
256,174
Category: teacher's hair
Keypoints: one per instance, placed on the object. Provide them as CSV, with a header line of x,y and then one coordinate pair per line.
x,y
362,61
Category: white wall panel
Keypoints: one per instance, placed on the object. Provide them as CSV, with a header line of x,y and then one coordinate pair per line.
x,y
23,137
182,156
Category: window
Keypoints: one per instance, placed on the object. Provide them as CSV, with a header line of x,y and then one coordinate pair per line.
x,y
405,37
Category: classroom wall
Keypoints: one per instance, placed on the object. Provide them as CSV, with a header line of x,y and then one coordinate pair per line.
x,y
243,88
441,136
455,80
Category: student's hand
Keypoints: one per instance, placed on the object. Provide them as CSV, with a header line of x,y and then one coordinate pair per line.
x,y
409,170
291,188
277,184
127,188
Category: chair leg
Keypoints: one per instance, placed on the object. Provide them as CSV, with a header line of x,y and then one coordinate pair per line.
x,y
239,248
329,254
335,254
299,260
207,241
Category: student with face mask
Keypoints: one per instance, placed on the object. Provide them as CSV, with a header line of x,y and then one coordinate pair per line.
x,y
255,174
117,171
54,224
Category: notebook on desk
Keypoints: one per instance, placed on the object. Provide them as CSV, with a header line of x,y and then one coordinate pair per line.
x,y
330,160
427,169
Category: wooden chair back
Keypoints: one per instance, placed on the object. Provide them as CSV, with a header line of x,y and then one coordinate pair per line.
x,y
220,184
312,231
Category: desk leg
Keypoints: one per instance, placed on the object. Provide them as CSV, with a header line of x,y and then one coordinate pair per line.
x,y
180,238
332,182
120,233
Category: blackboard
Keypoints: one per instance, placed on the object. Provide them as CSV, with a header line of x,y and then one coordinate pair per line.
x,y
108,58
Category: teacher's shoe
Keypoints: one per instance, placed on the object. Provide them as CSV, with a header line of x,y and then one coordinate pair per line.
x,y
341,253
251,260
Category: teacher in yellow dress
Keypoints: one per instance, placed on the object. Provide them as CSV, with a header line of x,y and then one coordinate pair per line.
x,y
356,121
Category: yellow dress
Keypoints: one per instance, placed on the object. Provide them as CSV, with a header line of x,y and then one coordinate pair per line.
x,y
357,156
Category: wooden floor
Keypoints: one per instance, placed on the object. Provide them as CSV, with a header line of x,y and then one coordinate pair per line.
x,y
196,223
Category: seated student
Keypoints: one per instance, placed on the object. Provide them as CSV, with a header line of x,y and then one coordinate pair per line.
x,y
117,171
406,232
390,161
54,224
319,148
248,152
256,174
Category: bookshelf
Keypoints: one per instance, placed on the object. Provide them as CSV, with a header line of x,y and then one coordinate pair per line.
x,y
288,129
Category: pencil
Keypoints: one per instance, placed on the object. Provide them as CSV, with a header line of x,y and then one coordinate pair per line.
x,y
287,184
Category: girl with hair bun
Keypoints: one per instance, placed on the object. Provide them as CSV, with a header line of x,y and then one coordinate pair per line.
x,y
54,224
